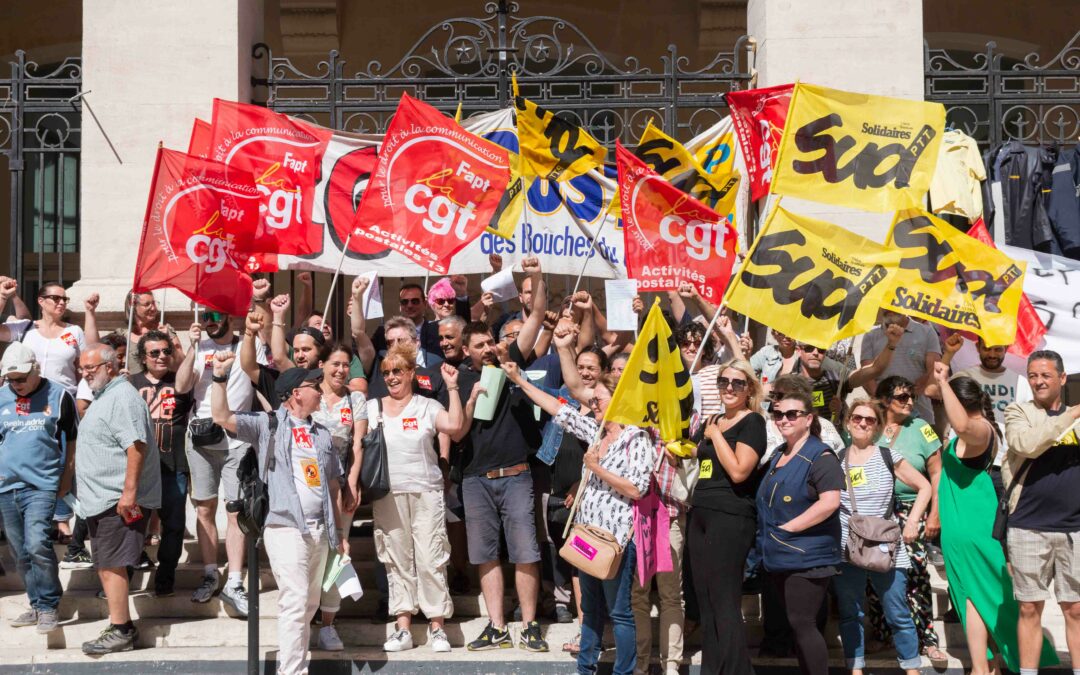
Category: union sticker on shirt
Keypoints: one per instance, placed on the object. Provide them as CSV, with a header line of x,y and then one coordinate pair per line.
x,y
410,424
929,434
301,437
424,381
22,406
310,467
705,471
857,474
69,340
346,415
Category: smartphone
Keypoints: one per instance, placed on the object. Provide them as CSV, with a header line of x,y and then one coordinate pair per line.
x,y
133,515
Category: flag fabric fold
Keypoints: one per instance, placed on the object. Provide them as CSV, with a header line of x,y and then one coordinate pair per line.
x,y
759,116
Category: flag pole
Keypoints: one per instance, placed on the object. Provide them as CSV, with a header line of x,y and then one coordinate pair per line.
x,y
163,292
131,318
708,336
333,281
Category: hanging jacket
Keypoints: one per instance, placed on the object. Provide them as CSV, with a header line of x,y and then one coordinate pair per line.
x,y
1063,206
1019,170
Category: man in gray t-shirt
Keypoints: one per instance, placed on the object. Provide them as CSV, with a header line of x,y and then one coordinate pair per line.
x,y
900,346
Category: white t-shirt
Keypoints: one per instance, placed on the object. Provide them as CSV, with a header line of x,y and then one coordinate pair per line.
x,y
58,357
339,418
240,391
306,473
410,445
1002,388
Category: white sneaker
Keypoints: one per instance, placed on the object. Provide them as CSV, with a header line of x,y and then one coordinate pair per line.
x,y
329,640
438,640
399,641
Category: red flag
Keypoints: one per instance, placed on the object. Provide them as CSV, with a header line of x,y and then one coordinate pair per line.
x,y
199,145
435,187
671,237
759,116
200,220
1029,327
284,155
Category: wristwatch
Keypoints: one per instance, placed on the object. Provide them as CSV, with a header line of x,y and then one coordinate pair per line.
x,y
220,378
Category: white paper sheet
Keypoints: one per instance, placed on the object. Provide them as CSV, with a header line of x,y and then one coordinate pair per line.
x,y
620,303
501,285
372,300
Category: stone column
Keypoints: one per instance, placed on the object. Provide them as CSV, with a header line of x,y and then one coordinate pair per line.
x,y
876,48
149,69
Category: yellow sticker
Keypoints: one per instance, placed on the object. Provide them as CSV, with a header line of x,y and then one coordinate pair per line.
x,y
819,399
787,498
857,475
310,467
929,434
1070,439
706,469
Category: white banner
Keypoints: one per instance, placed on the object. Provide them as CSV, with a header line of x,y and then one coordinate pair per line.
x,y
560,221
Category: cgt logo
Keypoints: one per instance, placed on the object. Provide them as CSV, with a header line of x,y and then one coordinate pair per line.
x,y
699,237
433,197
210,246
282,206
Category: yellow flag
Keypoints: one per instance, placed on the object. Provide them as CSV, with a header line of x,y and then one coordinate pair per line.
x,y
953,279
552,147
457,114
812,280
654,389
873,153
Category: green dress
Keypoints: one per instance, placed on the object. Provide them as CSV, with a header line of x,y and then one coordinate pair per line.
x,y
974,560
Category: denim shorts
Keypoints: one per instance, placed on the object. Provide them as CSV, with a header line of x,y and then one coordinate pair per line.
x,y
500,505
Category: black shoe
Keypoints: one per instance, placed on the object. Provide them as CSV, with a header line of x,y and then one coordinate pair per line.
x,y
491,638
767,651
563,614
145,563
163,591
76,561
951,616
531,638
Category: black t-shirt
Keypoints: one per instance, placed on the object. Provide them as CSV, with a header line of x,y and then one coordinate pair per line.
x,y
715,489
1049,500
168,411
826,475
510,436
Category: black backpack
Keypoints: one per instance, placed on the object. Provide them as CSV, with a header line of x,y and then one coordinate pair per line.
x,y
253,505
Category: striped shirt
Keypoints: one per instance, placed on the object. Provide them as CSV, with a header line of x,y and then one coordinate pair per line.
x,y
116,419
873,486
705,381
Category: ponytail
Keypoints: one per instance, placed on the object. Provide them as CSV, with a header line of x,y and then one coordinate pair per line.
x,y
988,413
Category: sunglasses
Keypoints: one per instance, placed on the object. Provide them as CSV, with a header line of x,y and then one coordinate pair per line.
x,y
689,342
863,419
789,415
155,353
213,317
396,372
810,349
411,301
735,384
16,380
58,298
440,301
901,398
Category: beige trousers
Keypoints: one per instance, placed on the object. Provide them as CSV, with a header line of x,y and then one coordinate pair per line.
x,y
298,562
410,539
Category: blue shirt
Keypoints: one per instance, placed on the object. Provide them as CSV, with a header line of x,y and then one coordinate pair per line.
x,y
34,432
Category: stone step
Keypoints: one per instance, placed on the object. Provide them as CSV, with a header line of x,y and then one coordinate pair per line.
x,y
360,547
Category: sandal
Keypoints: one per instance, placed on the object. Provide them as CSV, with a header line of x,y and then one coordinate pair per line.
x,y
936,654
574,646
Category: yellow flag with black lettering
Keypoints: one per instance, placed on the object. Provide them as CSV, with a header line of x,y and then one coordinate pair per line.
x,y
874,153
654,389
811,280
551,147
953,279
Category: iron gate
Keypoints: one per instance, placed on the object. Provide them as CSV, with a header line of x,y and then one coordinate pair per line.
x,y
40,135
993,97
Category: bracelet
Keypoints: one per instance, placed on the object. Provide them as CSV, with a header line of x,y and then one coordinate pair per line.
x,y
892,349
221,379
280,324
452,388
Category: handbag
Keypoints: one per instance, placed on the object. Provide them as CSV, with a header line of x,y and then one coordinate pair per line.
x,y
591,549
205,432
254,503
1001,516
872,540
375,466
676,483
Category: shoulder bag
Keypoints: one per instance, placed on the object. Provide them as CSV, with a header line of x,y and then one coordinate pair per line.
x,y
872,540
589,548
254,503
1001,516
375,466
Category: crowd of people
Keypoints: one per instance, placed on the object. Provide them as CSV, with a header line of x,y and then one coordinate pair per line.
x,y
816,475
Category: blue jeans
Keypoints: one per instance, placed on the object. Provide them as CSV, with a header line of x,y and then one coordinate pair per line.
x,y
28,519
174,487
891,587
601,600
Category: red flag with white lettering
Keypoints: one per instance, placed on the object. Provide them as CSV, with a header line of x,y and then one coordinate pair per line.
x,y
671,238
283,154
435,187
1029,327
200,221
199,145
759,116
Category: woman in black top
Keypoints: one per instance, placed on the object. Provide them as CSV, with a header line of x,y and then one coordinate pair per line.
x,y
722,521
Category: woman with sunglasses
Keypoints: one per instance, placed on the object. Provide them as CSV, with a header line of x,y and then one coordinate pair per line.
x,y
344,414
980,586
799,524
918,444
410,522
870,473
722,522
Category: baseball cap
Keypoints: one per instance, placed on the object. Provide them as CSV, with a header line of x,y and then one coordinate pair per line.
x,y
17,359
293,378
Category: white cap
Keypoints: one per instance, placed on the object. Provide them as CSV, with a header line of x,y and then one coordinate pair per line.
x,y
17,359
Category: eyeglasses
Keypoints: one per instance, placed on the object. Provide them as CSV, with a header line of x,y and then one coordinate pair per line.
x,y
901,398
309,386
810,349
735,383
17,380
58,298
91,368
396,372
410,301
790,415
440,301
155,353
862,419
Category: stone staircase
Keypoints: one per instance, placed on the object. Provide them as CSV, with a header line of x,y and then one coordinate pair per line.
x,y
177,635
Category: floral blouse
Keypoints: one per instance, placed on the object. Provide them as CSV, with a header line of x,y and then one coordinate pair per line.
x,y
631,456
